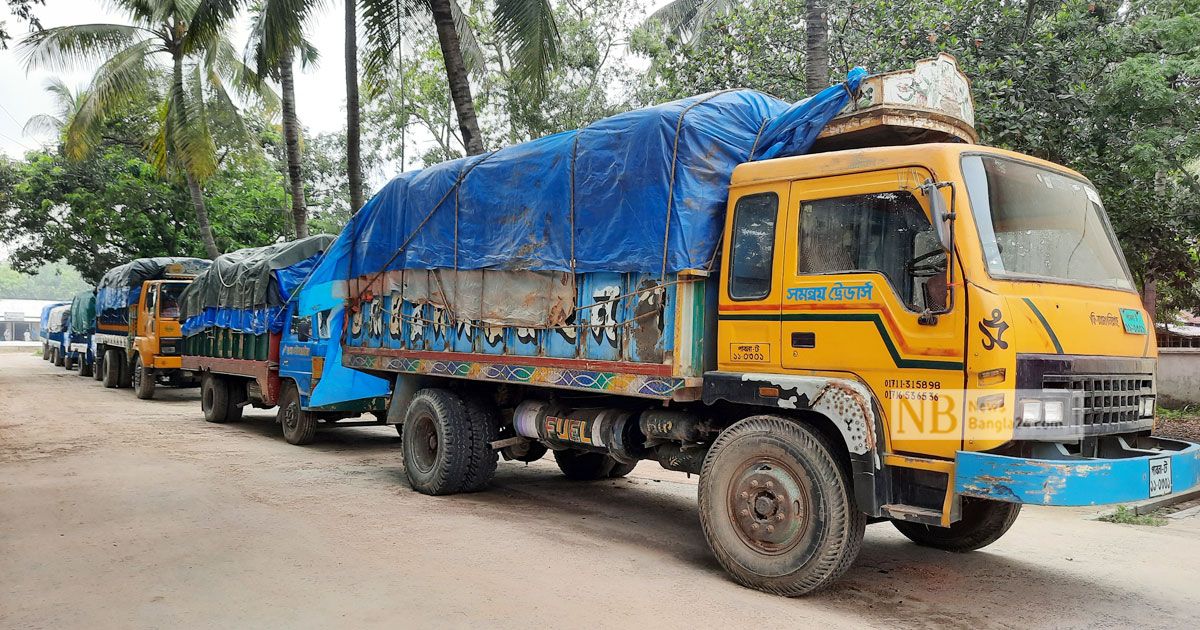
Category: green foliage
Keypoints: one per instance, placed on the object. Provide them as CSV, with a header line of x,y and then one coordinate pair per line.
x,y
1126,516
52,281
1110,89
23,9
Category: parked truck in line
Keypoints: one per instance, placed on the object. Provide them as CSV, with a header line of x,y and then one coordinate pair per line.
x,y
833,320
243,341
80,345
55,320
137,340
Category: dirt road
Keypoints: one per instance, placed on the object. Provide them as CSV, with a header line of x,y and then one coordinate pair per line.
x,y
119,513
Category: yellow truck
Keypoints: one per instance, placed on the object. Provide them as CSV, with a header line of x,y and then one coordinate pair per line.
x,y
138,342
900,325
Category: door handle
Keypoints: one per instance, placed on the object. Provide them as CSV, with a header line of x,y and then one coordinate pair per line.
x,y
804,340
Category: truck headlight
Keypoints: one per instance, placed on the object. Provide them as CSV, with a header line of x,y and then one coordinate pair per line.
x,y
1146,407
1052,412
1031,411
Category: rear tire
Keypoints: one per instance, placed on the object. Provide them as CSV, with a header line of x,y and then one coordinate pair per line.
x,y
437,442
86,368
983,523
590,466
299,426
112,368
214,398
126,373
57,356
143,380
45,352
68,362
776,507
98,367
484,423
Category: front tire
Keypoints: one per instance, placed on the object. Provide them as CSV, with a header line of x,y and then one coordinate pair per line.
x,y
68,362
56,355
45,352
590,466
143,380
299,426
983,523
86,368
776,507
98,367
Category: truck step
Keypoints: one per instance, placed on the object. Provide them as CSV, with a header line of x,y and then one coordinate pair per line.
x,y
912,513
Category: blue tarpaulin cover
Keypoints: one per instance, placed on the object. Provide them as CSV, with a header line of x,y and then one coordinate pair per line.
x,y
642,191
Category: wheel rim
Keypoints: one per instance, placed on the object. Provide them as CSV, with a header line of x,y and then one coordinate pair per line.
x,y
291,417
425,443
768,506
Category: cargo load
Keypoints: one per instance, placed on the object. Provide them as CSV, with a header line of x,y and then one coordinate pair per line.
x,y
245,290
121,286
83,313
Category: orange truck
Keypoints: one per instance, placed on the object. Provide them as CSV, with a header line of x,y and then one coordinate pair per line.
x,y
138,339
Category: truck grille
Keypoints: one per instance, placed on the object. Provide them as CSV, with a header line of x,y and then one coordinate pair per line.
x,y
1103,399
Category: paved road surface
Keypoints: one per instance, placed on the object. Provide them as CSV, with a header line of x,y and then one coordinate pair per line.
x,y
119,513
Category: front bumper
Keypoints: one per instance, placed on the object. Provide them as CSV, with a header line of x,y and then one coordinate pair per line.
x,y
1056,477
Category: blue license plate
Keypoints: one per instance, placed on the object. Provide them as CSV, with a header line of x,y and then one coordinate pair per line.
x,y
1135,324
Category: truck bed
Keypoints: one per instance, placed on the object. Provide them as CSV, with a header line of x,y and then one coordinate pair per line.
x,y
630,334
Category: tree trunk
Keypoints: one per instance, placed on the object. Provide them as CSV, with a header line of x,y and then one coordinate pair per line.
x,y
353,131
206,235
291,141
176,119
456,76
1150,294
816,45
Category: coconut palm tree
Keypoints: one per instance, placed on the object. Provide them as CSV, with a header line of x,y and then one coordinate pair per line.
x,y
276,41
163,37
526,28
66,104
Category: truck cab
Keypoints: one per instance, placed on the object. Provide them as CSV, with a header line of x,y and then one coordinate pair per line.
x,y
157,339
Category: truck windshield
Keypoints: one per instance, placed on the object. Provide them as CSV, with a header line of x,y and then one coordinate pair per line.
x,y
1039,224
169,299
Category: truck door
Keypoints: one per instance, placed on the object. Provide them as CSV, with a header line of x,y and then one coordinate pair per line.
x,y
861,263
148,317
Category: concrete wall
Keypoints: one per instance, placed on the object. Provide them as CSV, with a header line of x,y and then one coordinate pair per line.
x,y
1178,376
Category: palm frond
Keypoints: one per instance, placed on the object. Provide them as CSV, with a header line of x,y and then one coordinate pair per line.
x,y
116,81
472,50
686,19
383,23
208,20
43,124
277,34
79,46
530,33
188,138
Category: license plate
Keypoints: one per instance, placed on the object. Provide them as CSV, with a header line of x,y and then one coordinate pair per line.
x,y
1160,476
1134,323
757,352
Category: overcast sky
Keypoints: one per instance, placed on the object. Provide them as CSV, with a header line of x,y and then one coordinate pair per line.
x,y
320,92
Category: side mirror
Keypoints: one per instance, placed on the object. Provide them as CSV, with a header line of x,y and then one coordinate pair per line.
x,y
943,219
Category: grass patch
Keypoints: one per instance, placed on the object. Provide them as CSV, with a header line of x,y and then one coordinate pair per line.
x,y
1187,412
1126,516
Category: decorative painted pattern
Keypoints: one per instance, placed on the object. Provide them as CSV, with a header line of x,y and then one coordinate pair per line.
x,y
593,380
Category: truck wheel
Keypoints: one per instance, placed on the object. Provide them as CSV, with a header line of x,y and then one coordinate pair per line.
x,y
125,371
436,443
58,357
68,362
98,366
112,369
589,466
983,523
214,398
143,380
484,423
299,426
85,366
45,352
776,507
